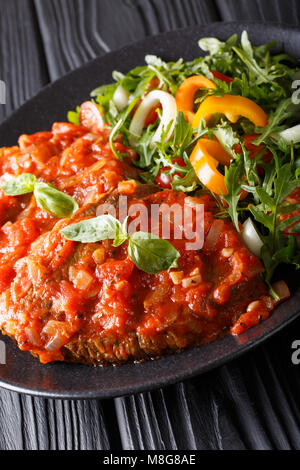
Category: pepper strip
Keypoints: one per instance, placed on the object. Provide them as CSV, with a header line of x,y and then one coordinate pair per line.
x,y
186,94
233,107
205,158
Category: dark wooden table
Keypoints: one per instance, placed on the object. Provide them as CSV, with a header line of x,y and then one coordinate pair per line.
x,y
251,403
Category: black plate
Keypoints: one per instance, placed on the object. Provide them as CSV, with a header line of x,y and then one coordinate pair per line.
x,y
25,374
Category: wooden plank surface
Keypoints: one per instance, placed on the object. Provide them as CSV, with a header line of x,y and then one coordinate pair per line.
x,y
22,62
279,11
72,36
252,403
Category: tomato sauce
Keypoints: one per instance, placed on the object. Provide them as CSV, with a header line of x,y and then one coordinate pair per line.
x,y
63,300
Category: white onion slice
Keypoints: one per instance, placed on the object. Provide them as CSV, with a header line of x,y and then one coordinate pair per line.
x,y
291,135
169,113
251,238
121,98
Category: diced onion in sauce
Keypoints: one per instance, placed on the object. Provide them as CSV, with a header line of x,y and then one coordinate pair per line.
x,y
176,277
191,281
32,336
81,279
58,334
99,255
54,344
281,289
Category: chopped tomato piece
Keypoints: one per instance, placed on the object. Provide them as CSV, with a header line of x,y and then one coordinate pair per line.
x,y
67,300
66,128
294,229
221,76
152,116
7,273
163,179
257,312
255,150
90,117
115,270
21,232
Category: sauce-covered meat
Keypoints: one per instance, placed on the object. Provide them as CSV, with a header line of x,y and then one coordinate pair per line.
x,y
88,302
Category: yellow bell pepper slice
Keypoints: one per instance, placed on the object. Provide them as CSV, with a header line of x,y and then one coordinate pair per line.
x,y
186,94
205,158
233,107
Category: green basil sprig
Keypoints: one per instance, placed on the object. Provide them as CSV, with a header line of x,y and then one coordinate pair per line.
x,y
147,251
47,196
22,184
54,201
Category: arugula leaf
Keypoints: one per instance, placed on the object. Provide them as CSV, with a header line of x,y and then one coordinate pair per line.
x,y
183,132
119,127
227,138
275,119
246,54
104,95
187,184
144,148
233,183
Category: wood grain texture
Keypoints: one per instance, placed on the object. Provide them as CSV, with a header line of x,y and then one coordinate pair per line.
x,y
75,31
252,403
22,65
265,10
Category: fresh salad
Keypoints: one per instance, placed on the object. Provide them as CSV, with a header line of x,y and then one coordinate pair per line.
x,y
228,123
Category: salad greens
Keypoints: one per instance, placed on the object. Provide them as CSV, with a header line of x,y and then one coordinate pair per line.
x,y
254,73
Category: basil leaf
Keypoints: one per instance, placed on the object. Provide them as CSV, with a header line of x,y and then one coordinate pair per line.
x,y
152,254
23,184
54,201
104,227
121,234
